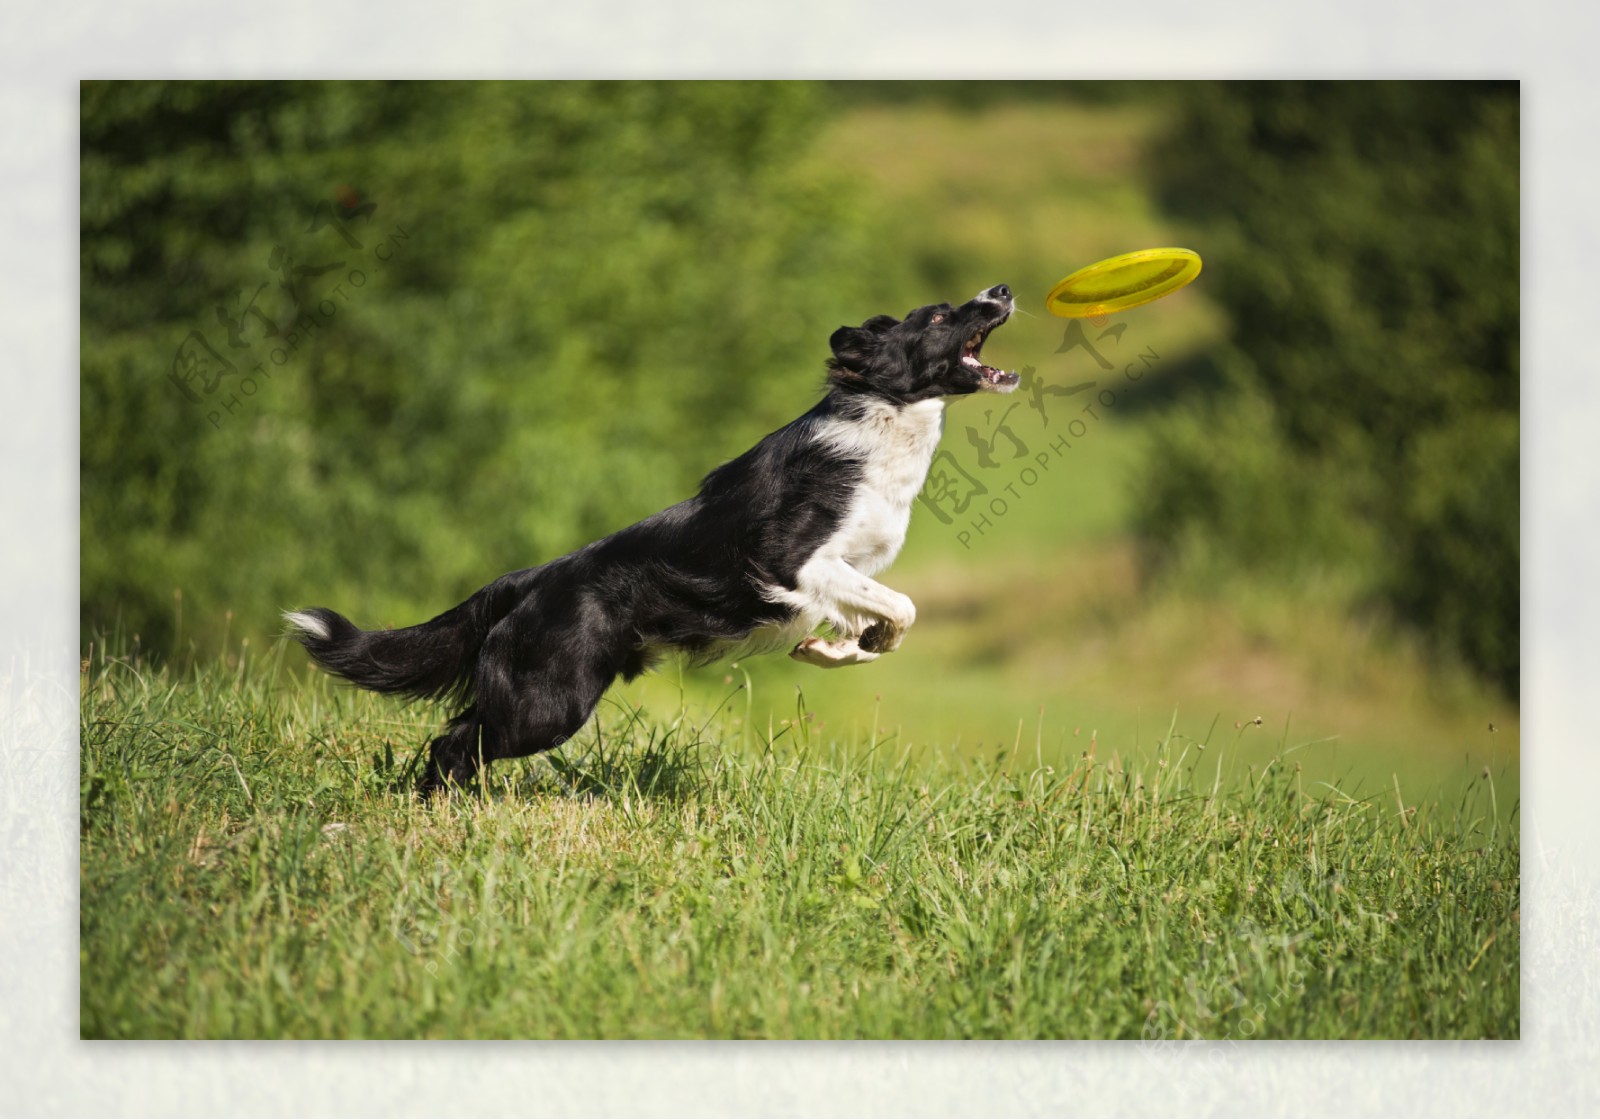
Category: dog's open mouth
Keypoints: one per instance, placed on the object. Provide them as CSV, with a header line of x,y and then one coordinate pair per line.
x,y
997,380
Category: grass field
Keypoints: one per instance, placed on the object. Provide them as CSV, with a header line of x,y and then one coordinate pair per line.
x,y
252,866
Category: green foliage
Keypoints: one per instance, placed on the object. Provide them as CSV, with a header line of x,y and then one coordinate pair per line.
x,y
1462,549
549,272
251,866
1364,238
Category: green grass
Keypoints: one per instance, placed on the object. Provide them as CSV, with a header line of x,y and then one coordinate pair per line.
x,y
251,866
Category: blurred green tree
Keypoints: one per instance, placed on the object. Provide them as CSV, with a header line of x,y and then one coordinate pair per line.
x,y
371,344
1364,237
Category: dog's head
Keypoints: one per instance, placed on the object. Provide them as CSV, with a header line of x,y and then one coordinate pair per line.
x,y
932,352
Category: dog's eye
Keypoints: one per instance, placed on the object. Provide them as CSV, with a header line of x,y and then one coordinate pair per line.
x,y
938,318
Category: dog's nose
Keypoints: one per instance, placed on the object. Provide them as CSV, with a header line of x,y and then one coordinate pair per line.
x,y
999,292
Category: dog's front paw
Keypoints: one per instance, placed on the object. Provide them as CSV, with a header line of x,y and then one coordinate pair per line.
x,y
831,655
881,637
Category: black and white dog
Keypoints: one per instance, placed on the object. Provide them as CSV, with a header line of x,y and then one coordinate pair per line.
x,y
778,542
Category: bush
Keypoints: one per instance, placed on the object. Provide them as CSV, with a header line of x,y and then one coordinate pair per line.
x,y
1364,238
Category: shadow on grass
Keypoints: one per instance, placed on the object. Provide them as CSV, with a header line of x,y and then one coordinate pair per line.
x,y
634,760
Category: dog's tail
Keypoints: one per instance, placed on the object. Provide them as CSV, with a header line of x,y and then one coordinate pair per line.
x,y
434,659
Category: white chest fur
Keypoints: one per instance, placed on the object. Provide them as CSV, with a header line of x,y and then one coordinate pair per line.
x,y
896,446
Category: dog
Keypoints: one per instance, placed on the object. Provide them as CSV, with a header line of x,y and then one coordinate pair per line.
x,y
778,543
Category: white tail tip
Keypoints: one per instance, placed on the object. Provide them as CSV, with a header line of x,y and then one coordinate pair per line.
x,y
307,624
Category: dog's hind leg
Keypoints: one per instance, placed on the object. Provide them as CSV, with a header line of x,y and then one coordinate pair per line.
x,y
539,681
536,709
454,757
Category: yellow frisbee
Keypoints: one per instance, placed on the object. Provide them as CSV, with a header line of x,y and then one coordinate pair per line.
x,y
1123,282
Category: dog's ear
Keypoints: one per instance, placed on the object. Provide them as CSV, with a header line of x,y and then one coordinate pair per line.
x,y
853,347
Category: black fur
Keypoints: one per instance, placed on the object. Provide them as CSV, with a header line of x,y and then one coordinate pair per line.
x,y
528,657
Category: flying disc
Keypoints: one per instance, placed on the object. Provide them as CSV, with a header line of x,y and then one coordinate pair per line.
x,y
1123,282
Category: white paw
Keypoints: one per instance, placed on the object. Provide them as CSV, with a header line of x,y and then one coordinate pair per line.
x,y
831,655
